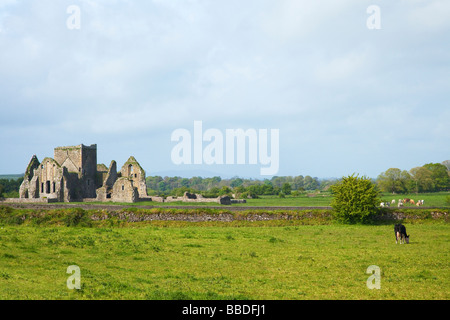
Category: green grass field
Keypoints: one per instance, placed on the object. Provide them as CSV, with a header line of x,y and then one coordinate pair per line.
x,y
276,259
187,261
437,199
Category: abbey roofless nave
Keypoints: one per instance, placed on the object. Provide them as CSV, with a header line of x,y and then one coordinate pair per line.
x,y
74,175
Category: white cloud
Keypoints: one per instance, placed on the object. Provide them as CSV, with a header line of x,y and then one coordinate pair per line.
x,y
136,70
296,20
343,67
430,15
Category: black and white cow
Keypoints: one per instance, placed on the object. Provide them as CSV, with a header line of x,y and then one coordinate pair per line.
x,y
400,233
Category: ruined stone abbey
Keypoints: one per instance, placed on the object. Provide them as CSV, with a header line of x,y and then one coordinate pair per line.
x,y
74,175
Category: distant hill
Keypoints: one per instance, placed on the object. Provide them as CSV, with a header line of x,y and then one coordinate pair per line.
x,y
11,176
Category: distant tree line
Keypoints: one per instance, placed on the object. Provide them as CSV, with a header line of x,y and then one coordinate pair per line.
x,y
215,186
9,188
431,177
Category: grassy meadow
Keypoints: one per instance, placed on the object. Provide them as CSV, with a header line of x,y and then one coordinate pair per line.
x,y
309,258
323,199
182,260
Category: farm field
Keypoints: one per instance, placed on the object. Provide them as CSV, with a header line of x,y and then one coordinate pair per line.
x,y
437,199
188,261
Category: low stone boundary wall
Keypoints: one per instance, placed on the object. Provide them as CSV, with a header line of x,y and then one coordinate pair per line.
x,y
99,212
28,200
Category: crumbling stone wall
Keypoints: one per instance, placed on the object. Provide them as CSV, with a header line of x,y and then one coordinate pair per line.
x,y
104,192
102,171
50,177
124,191
71,175
128,185
191,197
29,187
69,157
74,175
45,181
32,165
111,176
133,171
82,160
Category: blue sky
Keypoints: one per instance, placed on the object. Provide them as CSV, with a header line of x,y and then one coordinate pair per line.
x,y
346,99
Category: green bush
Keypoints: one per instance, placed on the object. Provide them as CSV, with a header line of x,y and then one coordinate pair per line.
x,y
355,199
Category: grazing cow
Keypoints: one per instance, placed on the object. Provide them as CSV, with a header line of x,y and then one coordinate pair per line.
x,y
382,204
406,200
411,201
400,204
400,234
419,203
393,201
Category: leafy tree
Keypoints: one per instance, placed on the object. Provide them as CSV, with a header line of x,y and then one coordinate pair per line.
x,y
179,192
394,180
286,188
267,188
239,189
276,190
355,199
439,175
310,183
326,184
254,189
298,182
421,180
211,193
184,182
225,191
278,181
446,163
1,191
236,182
196,183
10,187
163,186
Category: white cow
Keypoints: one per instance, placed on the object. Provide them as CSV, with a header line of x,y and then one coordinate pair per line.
x,y
419,203
393,201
